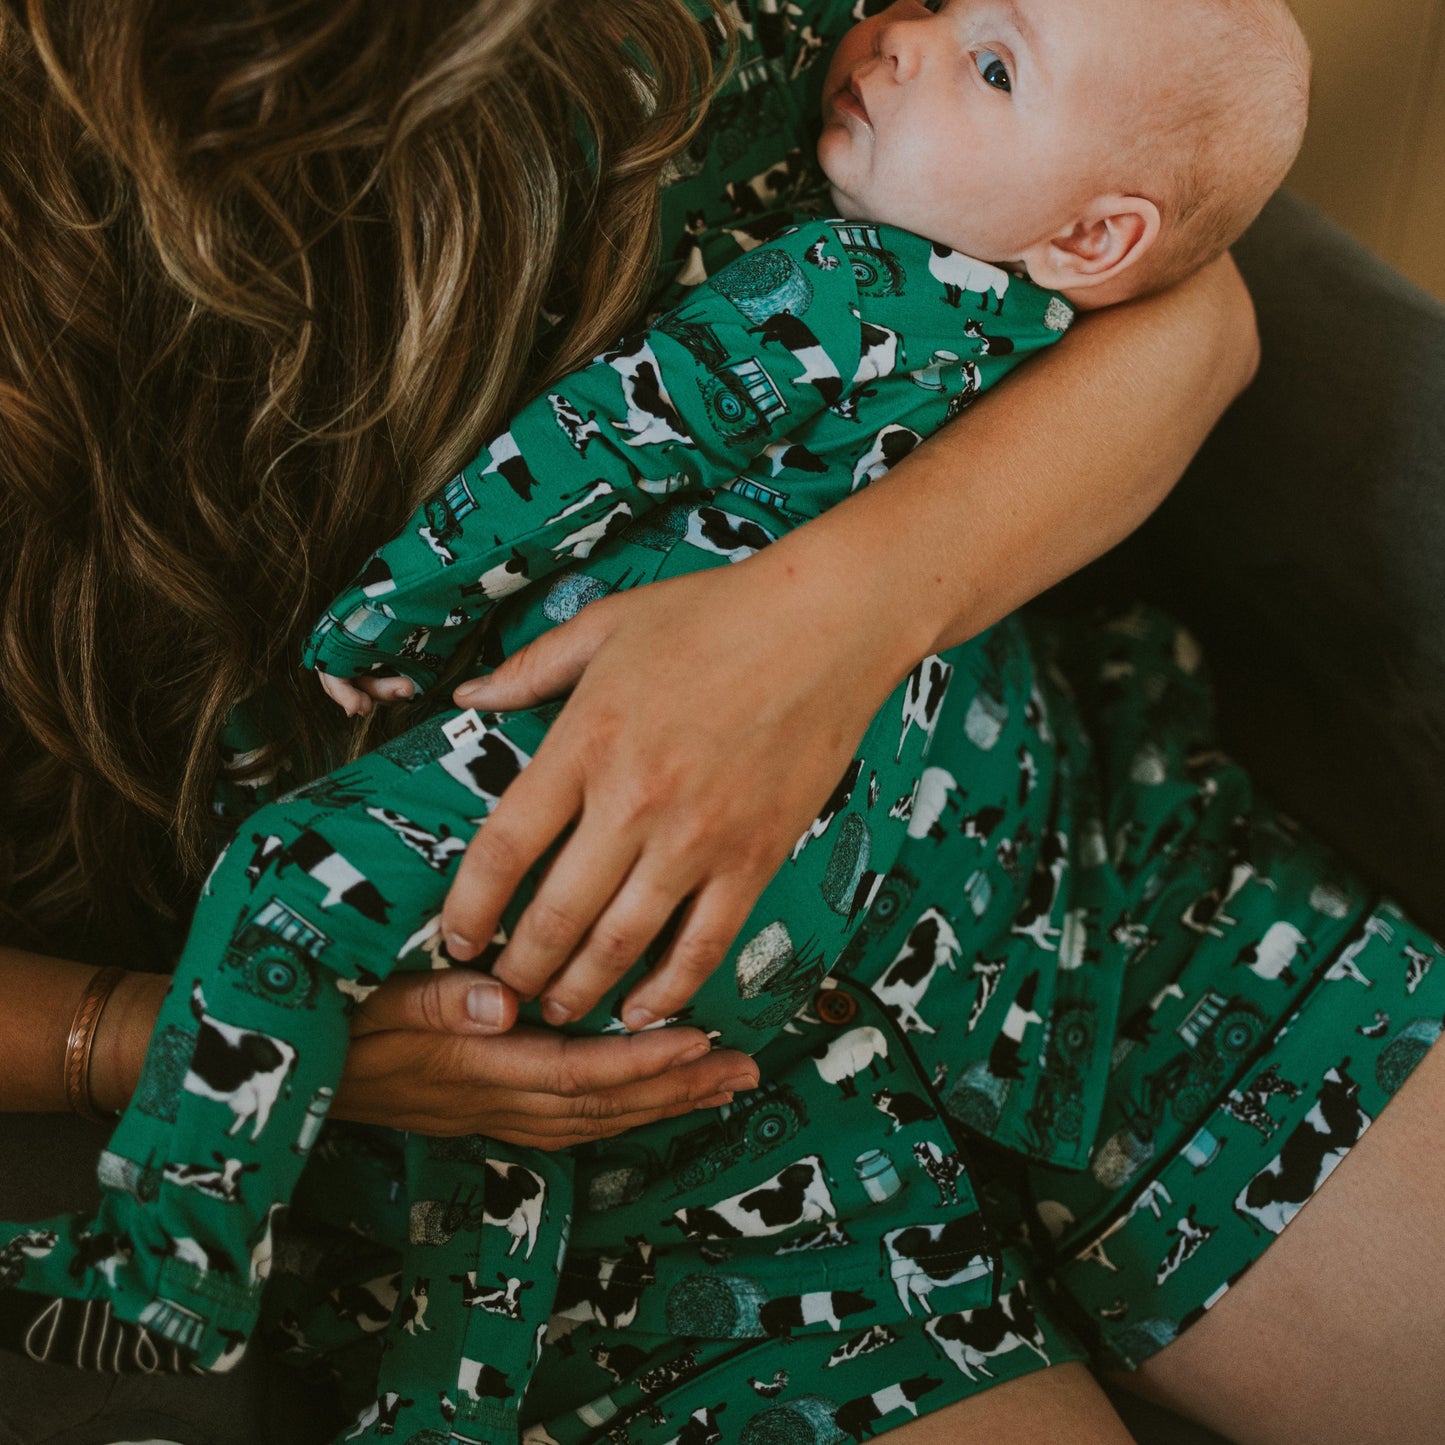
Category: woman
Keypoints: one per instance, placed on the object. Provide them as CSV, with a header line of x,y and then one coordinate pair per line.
x,y
796,575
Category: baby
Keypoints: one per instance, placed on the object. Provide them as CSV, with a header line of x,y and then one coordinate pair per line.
x,y
1101,149
1001,163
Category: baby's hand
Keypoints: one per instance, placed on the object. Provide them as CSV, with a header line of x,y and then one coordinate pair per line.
x,y
355,695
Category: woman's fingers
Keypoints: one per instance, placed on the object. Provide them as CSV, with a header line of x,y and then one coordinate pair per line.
x,y
585,874
708,927
525,1131
724,1073
619,937
532,814
553,1122
531,1085
543,669
639,913
539,1060
441,1001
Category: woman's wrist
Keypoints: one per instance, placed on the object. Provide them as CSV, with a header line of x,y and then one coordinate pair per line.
x,y
836,579
122,1036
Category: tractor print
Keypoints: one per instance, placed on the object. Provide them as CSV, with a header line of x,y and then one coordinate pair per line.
x,y
876,269
1220,1036
274,953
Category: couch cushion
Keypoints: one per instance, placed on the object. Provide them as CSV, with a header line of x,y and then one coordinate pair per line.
x,y
1306,546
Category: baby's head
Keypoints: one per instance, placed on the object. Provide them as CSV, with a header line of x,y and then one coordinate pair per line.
x,y
1111,146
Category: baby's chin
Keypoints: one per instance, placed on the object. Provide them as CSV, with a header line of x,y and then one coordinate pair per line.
x,y
855,208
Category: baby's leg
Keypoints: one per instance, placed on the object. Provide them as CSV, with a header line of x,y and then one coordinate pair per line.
x,y
488,1229
320,896
316,901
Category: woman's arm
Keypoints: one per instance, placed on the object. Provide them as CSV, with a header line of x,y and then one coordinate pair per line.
x,y
424,1055
712,714
1061,463
38,998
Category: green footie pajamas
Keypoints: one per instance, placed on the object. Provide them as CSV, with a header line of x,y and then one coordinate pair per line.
x,y
1059,1024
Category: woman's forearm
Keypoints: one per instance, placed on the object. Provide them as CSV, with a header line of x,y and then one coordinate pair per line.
x,y
38,997
1042,475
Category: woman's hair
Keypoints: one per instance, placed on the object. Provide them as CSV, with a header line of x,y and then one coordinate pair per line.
x,y
270,272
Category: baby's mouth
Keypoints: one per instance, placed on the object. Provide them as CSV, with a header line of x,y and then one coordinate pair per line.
x,y
850,99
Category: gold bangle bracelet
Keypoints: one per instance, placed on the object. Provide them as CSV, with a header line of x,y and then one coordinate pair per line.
x,y
81,1043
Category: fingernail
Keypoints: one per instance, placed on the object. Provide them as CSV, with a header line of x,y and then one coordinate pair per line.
x,y
693,1051
716,1102
639,1018
555,1012
460,948
740,1083
484,1004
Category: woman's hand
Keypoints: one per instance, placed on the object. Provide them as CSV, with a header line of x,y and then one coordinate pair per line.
x,y
675,758
713,714
427,1055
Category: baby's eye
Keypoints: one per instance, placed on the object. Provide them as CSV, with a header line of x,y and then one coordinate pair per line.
x,y
993,70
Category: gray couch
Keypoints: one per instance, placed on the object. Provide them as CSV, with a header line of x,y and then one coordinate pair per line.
x,y
1306,547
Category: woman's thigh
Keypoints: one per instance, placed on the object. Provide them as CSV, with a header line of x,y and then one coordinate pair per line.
x,y
1334,1334
1061,1404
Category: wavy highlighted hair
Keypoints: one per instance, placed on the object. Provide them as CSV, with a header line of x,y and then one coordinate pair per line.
x,y
269,272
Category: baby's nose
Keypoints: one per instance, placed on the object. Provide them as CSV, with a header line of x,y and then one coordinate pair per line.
x,y
902,43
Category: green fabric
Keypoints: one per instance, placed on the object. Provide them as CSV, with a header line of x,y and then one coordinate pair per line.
x,y
797,353
799,371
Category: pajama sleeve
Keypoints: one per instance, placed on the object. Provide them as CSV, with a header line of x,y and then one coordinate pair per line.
x,y
764,345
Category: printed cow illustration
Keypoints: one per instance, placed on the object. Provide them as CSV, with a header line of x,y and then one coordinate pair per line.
x,y
925,1257
1309,1155
241,1068
972,1337
795,1196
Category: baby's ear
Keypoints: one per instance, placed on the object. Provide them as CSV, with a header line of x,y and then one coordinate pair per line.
x,y
1110,238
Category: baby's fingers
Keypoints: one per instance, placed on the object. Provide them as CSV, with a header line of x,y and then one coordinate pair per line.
x,y
355,695
386,689
345,694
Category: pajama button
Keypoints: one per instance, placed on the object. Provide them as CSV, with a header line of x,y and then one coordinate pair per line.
x,y
836,1006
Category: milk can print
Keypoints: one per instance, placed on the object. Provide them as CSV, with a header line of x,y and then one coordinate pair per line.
x,y
316,1112
877,1175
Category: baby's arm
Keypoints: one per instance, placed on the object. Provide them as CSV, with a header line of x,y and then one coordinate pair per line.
x,y
684,406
